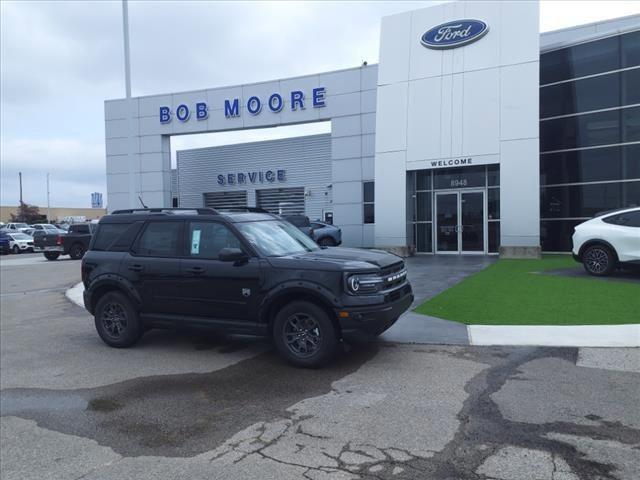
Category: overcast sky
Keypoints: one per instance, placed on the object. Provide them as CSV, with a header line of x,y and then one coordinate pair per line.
x,y
61,60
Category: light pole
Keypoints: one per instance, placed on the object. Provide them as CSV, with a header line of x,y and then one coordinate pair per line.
x,y
20,209
127,82
48,203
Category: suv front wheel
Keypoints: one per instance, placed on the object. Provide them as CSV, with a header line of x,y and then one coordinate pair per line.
x,y
116,321
304,334
598,260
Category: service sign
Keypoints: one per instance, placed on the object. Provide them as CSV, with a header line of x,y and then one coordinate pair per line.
x,y
454,34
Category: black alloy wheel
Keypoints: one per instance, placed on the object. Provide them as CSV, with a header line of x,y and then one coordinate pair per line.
x,y
114,320
117,322
305,335
302,335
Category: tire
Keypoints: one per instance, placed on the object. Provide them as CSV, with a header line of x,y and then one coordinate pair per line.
x,y
312,337
76,252
117,322
327,242
15,249
51,255
599,260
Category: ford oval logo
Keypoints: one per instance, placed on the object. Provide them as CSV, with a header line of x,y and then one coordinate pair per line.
x,y
454,34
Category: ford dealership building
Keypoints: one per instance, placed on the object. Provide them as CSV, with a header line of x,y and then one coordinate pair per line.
x,y
474,134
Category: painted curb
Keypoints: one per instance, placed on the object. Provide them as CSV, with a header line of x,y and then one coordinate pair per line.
x,y
74,294
556,335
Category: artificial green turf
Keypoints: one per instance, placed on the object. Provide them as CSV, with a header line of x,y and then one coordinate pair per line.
x,y
510,292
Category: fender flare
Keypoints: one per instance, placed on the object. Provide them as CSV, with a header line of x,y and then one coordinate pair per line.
x,y
304,288
114,282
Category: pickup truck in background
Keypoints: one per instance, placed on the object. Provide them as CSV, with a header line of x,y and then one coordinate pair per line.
x,y
74,243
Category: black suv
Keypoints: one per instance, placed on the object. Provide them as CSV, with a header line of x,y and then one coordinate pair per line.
x,y
238,272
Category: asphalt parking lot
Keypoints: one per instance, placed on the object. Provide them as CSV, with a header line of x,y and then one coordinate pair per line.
x,y
193,405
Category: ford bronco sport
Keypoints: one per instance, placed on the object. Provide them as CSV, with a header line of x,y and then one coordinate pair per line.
x,y
241,273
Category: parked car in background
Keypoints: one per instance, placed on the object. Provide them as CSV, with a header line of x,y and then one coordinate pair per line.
x,y
300,221
16,227
325,234
74,243
608,241
20,242
5,247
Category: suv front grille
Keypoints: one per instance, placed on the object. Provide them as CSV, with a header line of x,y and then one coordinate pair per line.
x,y
393,275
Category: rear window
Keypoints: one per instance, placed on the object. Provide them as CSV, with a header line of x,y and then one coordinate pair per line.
x,y
79,228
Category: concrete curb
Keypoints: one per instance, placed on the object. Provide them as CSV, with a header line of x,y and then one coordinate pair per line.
x,y
74,294
556,335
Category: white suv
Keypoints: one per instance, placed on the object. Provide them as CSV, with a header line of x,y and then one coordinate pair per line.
x,y
608,241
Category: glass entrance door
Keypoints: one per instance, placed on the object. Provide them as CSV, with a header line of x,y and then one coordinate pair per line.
x,y
472,221
447,223
460,222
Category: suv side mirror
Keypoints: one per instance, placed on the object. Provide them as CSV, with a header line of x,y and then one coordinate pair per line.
x,y
231,255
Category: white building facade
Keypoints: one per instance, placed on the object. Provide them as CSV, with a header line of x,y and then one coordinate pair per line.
x,y
437,149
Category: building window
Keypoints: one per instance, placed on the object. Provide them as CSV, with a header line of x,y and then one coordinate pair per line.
x,y
368,199
589,134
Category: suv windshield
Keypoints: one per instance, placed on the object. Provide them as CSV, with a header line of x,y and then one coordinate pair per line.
x,y
275,238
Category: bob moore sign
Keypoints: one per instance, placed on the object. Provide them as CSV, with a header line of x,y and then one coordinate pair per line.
x,y
454,34
254,105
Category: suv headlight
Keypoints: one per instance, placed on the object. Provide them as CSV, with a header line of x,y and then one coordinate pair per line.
x,y
362,284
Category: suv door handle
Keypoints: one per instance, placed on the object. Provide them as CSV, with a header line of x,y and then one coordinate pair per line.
x,y
195,270
136,268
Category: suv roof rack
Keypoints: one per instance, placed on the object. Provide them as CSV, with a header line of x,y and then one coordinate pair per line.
x,y
242,209
167,211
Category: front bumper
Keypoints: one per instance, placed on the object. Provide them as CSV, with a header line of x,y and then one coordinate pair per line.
x,y
375,319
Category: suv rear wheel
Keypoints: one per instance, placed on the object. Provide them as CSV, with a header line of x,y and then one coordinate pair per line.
x,y
304,334
51,255
116,321
598,260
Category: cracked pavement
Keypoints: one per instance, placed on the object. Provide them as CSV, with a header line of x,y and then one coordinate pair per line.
x,y
188,405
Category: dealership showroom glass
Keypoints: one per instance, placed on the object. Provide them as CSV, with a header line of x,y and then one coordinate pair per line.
x,y
474,133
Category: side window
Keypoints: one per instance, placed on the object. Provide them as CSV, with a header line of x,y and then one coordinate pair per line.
x,y
107,233
634,219
206,239
159,239
627,219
